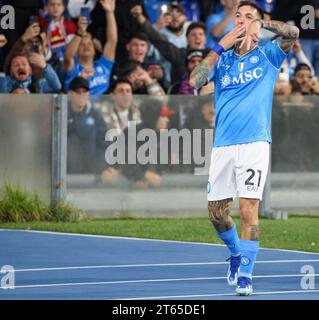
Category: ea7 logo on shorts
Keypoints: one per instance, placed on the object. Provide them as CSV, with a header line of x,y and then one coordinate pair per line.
x,y
245,261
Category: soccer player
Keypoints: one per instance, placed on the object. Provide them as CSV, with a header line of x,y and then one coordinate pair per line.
x,y
245,76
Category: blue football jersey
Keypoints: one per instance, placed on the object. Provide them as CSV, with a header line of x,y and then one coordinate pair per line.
x,y
244,88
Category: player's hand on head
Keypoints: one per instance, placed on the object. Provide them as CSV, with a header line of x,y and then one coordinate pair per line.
x,y
37,60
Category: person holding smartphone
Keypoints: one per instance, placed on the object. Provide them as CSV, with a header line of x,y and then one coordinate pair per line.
x,y
79,58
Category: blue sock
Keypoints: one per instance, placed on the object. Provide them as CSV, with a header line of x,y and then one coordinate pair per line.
x,y
249,250
231,240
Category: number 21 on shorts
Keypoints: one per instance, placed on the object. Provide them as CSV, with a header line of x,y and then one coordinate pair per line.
x,y
253,180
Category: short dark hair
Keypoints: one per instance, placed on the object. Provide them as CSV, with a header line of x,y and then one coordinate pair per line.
x,y
47,2
119,81
302,66
195,25
127,68
251,4
79,82
141,36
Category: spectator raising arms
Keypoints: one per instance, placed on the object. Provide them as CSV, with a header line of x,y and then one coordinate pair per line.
x,y
196,39
32,41
173,24
21,76
97,72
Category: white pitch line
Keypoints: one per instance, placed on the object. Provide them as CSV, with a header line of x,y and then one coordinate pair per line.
x,y
221,295
69,284
155,265
144,239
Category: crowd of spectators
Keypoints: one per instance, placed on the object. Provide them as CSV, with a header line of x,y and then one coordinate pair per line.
x,y
153,44
135,47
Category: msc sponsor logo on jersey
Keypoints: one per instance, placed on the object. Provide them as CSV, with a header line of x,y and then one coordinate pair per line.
x,y
242,78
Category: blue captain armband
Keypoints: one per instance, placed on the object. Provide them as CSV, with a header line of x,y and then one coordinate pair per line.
x,y
218,49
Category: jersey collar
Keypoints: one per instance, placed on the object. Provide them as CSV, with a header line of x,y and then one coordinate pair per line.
x,y
246,53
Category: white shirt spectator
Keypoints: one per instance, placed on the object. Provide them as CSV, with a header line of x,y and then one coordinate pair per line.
x,y
74,6
179,41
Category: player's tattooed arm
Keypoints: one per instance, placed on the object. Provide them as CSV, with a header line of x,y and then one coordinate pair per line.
x,y
288,34
200,75
219,214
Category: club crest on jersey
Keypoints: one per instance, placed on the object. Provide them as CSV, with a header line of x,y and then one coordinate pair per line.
x,y
241,66
254,59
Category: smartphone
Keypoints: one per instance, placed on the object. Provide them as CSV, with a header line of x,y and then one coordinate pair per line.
x,y
85,12
35,44
166,10
35,48
33,19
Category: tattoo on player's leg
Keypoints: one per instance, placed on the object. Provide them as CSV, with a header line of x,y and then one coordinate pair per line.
x,y
219,214
254,232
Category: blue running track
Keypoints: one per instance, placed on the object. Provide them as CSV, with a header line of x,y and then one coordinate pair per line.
x,y
50,266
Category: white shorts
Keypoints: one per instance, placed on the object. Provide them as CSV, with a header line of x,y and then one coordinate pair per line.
x,y
238,171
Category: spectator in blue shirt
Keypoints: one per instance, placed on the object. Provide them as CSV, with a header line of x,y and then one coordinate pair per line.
x,y
97,72
21,76
219,24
